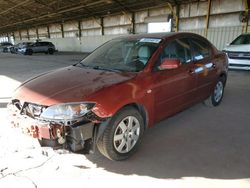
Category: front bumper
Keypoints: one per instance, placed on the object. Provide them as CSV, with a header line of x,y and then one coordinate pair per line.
x,y
57,135
240,64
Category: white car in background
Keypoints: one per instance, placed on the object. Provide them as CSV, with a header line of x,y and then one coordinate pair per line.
x,y
238,52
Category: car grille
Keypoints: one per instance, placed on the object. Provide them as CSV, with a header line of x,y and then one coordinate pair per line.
x,y
239,55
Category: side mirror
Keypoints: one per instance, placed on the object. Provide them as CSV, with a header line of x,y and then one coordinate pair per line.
x,y
169,64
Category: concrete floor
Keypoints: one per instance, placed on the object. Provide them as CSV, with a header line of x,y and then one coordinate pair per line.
x,y
199,147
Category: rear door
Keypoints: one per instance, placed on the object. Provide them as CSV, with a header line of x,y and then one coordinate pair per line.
x,y
36,47
174,89
205,68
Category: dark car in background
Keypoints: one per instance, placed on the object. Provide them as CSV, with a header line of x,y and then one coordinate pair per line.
x,y
124,87
38,47
5,46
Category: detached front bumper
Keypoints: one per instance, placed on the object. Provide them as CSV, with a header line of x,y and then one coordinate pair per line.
x,y
73,136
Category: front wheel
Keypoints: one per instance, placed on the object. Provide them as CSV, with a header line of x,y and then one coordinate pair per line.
x,y
28,52
123,135
216,97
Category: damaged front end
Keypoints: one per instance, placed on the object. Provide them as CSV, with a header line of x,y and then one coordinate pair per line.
x,y
69,126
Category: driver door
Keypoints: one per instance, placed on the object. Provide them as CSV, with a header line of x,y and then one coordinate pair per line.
x,y
174,89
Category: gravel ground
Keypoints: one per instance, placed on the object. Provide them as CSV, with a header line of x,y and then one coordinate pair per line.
x,y
199,147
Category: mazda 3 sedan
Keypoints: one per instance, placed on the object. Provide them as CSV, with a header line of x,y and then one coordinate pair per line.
x,y
127,85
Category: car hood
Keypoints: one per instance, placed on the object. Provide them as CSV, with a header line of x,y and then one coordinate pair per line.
x,y
238,48
70,84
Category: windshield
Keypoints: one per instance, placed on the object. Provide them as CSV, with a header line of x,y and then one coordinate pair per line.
x,y
129,55
242,39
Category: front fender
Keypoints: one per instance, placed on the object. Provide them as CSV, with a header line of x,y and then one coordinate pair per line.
x,y
110,100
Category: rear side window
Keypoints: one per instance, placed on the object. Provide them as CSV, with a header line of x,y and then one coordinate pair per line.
x,y
200,49
44,43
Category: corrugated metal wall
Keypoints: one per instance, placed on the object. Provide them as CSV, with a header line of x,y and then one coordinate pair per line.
x,y
219,36
223,26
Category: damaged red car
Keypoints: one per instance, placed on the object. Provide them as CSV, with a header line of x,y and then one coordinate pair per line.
x,y
127,85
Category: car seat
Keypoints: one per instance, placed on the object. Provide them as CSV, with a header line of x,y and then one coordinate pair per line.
x,y
144,53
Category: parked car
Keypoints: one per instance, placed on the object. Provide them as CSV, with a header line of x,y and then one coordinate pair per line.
x,y
4,46
16,48
38,47
124,87
238,52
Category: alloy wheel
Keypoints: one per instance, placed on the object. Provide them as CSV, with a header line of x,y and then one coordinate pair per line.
x,y
126,134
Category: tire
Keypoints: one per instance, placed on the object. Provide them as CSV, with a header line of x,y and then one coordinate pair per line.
x,y
118,141
216,97
50,51
29,52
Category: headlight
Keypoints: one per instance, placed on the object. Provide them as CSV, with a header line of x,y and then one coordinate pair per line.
x,y
66,111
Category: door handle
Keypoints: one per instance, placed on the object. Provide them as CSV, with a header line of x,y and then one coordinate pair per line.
x,y
191,71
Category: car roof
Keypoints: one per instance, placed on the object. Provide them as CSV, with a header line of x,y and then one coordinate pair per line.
x,y
158,35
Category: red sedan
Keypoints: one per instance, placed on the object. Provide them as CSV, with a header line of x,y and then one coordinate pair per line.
x,y
124,87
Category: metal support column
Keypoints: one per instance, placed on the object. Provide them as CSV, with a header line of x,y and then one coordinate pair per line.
x,y
20,34
37,35
28,34
48,32
79,29
177,17
133,22
62,30
246,12
13,35
102,26
208,16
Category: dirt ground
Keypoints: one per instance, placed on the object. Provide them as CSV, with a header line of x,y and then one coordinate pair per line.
x,y
199,147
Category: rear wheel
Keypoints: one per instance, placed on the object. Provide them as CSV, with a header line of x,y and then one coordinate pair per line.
x,y
216,97
123,135
50,51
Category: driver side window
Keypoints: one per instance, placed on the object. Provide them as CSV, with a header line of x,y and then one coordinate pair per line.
x,y
177,49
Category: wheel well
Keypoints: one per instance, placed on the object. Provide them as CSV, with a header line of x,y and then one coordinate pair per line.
x,y
224,76
142,111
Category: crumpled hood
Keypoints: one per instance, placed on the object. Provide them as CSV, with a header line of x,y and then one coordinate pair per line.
x,y
70,84
238,48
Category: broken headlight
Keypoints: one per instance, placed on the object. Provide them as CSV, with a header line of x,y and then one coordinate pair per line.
x,y
67,111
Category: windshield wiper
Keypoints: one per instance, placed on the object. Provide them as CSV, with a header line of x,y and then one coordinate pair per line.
x,y
96,67
83,65
106,69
